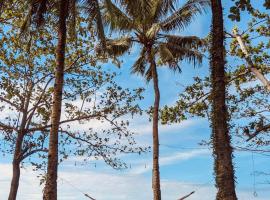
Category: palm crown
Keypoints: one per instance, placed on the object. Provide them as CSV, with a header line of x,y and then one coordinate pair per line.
x,y
149,23
38,9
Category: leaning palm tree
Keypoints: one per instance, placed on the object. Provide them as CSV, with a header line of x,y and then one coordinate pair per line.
x,y
148,24
64,10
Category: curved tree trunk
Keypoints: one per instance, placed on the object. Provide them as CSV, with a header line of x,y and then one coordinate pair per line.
x,y
222,149
50,191
16,168
156,174
18,154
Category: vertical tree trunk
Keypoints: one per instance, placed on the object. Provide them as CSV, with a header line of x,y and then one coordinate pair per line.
x,y
18,155
222,149
16,168
50,191
156,174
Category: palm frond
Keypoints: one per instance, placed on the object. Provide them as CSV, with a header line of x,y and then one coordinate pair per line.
x,y
118,47
167,57
28,19
40,12
115,17
190,55
72,20
137,9
183,16
140,65
185,41
153,31
35,15
162,8
165,54
148,75
93,10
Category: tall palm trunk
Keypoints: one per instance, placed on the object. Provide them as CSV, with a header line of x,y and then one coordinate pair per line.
x,y
222,149
50,191
156,175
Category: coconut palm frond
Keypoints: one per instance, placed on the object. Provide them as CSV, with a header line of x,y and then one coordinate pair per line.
x,y
93,10
190,55
165,54
136,9
35,15
40,12
185,41
167,57
118,47
72,22
163,7
28,19
183,16
140,65
116,18
148,75
153,31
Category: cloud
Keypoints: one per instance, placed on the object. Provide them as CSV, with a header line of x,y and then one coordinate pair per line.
x,y
142,126
146,165
73,184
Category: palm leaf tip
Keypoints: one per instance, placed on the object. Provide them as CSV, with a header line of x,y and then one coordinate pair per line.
x,y
186,41
116,18
140,65
118,47
94,12
184,15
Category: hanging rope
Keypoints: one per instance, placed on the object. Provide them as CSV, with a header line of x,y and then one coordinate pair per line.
x,y
254,176
76,188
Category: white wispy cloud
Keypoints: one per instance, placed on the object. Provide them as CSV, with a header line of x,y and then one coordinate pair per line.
x,y
73,184
169,160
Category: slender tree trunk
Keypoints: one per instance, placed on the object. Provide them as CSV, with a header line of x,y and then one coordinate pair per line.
x,y
18,155
222,149
156,174
16,168
50,191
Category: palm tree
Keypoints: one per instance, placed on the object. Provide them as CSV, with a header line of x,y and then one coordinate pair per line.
x,y
222,149
50,191
36,16
148,24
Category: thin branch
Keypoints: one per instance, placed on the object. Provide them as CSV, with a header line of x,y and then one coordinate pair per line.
x,y
33,110
65,121
257,23
10,103
252,67
94,145
33,152
258,131
4,126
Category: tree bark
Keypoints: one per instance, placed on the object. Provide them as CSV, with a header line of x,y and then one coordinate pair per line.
x,y
222,150
50,191
156,174
16,168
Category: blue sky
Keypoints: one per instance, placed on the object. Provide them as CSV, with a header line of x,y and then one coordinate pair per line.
x,y
185,166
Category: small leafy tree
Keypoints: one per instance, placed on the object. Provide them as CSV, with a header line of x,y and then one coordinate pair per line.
x,y
26,77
